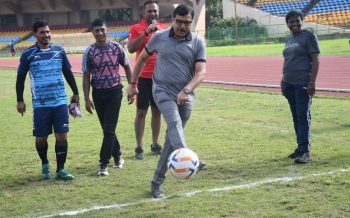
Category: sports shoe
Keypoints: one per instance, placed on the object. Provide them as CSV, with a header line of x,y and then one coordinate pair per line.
x,y
64,175
45,171
295,154
118,162
138,153
156,148
201,165
157,191
103,170
303,158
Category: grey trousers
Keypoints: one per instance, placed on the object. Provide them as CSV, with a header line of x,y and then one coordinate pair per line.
x,y
176,117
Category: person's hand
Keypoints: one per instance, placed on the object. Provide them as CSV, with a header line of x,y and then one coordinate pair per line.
x,y
131,91
89,106
151,28
21,107
181,98
311,90
75,99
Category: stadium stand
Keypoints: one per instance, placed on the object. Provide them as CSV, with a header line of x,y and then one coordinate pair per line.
x,y
328,12
76,38
280,8
118,32
331,12
56,30
6,37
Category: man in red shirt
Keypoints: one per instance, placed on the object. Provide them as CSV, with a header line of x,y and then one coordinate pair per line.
x,y
139,35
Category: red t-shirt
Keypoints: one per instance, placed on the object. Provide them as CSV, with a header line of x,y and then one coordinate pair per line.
x,y
135,31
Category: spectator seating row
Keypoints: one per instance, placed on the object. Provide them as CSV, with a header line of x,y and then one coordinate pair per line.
x,y
9,39
68,30
115,33
338,18
118,32
257,2
326,6
6,37
3,45
19,34
273,1
329,12
282,8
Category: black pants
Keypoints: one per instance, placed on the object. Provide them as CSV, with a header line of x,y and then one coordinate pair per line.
x,y
107,104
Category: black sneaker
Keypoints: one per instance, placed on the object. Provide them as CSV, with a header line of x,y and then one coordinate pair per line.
x,y
303,158
295,154
138,153
157,191
201,165
156,148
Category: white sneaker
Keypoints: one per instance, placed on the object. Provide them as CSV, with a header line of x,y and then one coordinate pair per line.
x,y
119,162
103,171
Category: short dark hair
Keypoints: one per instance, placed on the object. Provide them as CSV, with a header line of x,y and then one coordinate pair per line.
x,y
98,22
38,24
183,10
149,2
294,13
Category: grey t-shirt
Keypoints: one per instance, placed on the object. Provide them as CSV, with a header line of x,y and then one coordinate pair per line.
x,y
297,57
175,65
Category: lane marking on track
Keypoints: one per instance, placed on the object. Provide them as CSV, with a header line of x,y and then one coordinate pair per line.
x,y
189,194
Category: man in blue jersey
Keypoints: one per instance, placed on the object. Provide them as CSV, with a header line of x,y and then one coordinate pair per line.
x,y
46,62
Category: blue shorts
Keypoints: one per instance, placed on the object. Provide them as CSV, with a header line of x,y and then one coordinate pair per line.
x,y
44,118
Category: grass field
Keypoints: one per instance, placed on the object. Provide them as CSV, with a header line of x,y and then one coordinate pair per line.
x,y
243,136
336,47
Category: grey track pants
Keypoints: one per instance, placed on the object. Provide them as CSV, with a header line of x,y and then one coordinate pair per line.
x,y
176,117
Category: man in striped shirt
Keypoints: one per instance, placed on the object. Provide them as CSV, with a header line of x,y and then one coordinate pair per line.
x,y
101,63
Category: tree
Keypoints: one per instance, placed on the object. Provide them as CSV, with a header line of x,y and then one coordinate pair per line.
x,y
213,11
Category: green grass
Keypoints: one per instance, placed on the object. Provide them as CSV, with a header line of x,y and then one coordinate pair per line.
x,y
336,47
243,136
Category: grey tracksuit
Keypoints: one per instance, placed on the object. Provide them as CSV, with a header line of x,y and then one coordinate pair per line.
x,y
174,70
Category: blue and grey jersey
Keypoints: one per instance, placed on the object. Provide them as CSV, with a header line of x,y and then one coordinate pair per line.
x,y
175,64
46,68
297,57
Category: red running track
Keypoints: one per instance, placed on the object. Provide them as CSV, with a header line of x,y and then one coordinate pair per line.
x,y
334,73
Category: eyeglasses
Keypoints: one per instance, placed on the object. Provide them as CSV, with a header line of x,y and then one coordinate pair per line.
x,y
180,22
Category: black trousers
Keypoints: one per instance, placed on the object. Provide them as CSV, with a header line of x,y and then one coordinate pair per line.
x,y
107,105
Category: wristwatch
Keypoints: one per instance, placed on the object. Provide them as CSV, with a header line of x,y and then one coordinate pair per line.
x,y
187,91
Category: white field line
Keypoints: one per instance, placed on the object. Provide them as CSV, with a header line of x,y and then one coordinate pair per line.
x,y
223,189
269,86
